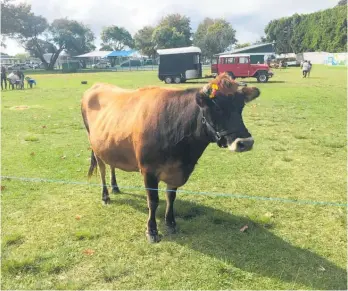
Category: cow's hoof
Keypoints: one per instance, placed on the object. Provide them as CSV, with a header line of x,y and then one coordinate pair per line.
x,y
153,237
171,229
107,201
116,190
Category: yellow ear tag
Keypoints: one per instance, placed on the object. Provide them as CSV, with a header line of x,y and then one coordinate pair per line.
x,y
214,88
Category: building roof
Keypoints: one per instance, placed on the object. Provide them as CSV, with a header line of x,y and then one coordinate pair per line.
x,y
179,50
246,48
95,54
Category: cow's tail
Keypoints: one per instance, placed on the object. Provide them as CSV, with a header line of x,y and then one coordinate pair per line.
x,y
93,166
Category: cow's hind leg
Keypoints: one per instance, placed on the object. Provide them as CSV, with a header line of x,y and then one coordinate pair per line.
x,y
114,185
169,216
105,192
151,184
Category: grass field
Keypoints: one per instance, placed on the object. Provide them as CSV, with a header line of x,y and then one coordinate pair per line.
x,y
60,236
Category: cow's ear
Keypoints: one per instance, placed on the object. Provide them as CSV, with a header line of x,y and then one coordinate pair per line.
x,y
250,93
202,97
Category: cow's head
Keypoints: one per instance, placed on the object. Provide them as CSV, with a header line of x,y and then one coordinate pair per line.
x,y
222,103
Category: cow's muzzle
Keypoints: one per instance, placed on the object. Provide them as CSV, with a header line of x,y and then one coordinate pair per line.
x,y
241,144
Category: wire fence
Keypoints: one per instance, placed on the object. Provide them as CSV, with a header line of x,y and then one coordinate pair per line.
x,y
187,192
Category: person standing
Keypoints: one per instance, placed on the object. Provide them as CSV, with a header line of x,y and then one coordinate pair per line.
x,y
3,78
305,67
21,77
265,59
309,68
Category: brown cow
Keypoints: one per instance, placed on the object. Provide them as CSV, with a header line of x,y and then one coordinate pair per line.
x,y
162,133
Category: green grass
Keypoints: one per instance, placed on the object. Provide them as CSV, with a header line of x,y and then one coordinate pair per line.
x,y
299,127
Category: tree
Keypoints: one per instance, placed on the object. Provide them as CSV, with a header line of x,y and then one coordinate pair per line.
x,y
15,19
38,37
22,57
342,3
214,36
173,30
11,16
106,47
200,36
32,28
262,39
117,38
324,30
168,37
242,45
143,41
74,37
63,34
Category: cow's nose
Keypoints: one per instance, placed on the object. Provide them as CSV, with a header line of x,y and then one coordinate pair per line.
x,y
245,144
242,144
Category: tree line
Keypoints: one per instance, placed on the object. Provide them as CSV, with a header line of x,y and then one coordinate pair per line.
x,y
324,30
39,37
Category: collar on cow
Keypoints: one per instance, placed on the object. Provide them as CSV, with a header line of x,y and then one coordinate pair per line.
x,y
218,135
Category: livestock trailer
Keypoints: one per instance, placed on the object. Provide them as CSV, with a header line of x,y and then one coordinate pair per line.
x,y
179,64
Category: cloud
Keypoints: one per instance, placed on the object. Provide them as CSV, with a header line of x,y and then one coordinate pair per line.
x,y
248,17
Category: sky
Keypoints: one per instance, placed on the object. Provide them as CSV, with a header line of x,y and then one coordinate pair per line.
x,y
248,17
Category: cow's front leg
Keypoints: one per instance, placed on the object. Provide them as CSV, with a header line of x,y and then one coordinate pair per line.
x,y
169,216
151,184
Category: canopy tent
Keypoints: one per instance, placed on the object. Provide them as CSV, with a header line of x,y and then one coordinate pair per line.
x,y
117,57
95,54
114,57
130,53
106,54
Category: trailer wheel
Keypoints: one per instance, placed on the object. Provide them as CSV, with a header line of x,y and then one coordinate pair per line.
x,y
168,80
177,80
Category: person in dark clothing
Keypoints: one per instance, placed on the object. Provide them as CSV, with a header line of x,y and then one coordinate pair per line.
x,y
21,77
3,78
305,67
309,68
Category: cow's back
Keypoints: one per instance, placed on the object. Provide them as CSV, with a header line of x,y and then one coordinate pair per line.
x,y
117,118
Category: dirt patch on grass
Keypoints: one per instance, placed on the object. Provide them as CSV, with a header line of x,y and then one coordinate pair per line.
x,y
24,107
20,107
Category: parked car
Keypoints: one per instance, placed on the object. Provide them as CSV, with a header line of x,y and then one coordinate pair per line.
x,y
148,62
21,66
131,63
292,63
239,66
101,65
34,66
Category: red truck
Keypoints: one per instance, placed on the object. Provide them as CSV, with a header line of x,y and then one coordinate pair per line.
x,y
239,66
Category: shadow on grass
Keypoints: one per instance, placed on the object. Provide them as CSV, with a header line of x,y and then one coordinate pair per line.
x,y
216,233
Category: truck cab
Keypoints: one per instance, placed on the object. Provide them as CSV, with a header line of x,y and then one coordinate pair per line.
x,y
239,66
